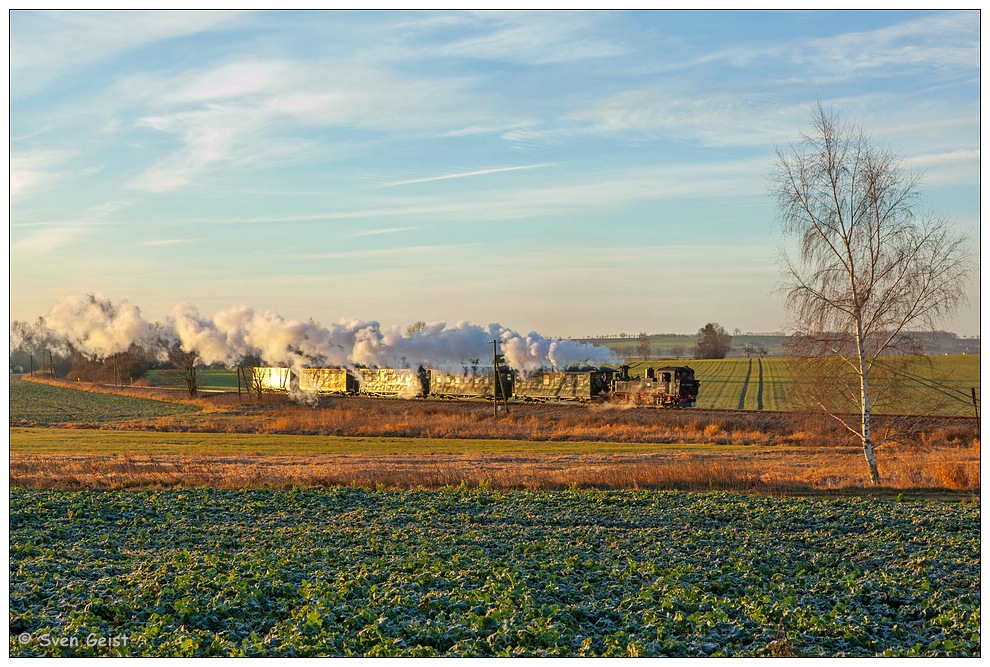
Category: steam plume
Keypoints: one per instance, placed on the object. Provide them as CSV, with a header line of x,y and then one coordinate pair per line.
x,y
99,328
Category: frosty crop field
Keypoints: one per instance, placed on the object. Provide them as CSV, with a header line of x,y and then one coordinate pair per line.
x,y
477,572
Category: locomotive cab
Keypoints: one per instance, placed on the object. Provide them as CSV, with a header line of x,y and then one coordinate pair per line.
x,y
682,385
669,386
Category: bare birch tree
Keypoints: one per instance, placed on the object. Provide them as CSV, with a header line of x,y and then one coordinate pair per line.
x,y
870,271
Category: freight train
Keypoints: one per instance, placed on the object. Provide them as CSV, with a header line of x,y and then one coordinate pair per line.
x,y
667,386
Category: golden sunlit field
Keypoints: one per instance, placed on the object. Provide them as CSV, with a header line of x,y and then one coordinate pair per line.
x,y
107,440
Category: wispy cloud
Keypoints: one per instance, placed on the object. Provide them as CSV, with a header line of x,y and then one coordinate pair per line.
x,y
534,37
240,113
380,232
722,118
390,253
168,242
48,239
46,45
468,174
43,236
37,170
948,40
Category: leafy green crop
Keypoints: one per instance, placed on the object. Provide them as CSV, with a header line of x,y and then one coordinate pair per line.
x,y
341,572
49,404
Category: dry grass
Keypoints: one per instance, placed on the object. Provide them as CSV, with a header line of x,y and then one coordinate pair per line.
x,y
793,453
770,471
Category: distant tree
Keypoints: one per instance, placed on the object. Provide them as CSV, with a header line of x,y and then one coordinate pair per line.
x,y
118,369
34,346
749,349
714,342
414,327
762,350
870,269
643,346
248,373
677,351
187,363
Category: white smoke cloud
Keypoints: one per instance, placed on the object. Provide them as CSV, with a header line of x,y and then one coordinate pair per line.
x,y
100,328
197,335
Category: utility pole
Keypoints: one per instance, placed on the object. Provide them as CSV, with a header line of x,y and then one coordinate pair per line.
x,y
498,388
976,407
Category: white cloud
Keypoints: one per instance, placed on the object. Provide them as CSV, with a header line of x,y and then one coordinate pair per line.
x,y
244,112
381,232
46,45
689,114
48,239
166,242
37,170
949,40
530,37
466,174
391,253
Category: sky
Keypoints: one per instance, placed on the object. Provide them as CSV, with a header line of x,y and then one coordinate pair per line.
x,y
576,173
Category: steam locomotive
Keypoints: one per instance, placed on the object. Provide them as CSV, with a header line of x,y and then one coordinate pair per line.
x,y
668,386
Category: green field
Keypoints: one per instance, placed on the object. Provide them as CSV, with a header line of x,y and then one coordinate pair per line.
x,y
79,441
33,402
207,379
662,345
940,385
338,572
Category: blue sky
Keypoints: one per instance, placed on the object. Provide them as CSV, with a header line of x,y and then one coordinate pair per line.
x,y
571,173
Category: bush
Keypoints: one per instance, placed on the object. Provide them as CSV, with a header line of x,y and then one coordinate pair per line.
x,y
124,367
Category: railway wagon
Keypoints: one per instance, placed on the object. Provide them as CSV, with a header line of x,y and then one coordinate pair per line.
x,y
403,382
669,386
329,381
570,385
471,382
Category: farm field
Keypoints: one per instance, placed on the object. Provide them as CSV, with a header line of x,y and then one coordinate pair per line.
x,y
400,443
199,572
79,459
272,529
941,384
32,402
208,379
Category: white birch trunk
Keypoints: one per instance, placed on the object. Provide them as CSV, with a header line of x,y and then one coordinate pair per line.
x,y
864,397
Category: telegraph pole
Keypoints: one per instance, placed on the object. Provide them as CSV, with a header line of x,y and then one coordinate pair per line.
x,y
498,387
976,406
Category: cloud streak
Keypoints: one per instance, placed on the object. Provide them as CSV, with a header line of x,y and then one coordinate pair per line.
x,y
468,174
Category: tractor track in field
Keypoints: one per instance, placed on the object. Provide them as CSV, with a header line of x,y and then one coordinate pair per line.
x,y
745,387
746,383
759,392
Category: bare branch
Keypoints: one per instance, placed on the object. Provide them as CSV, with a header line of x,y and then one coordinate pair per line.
x,y
869,272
